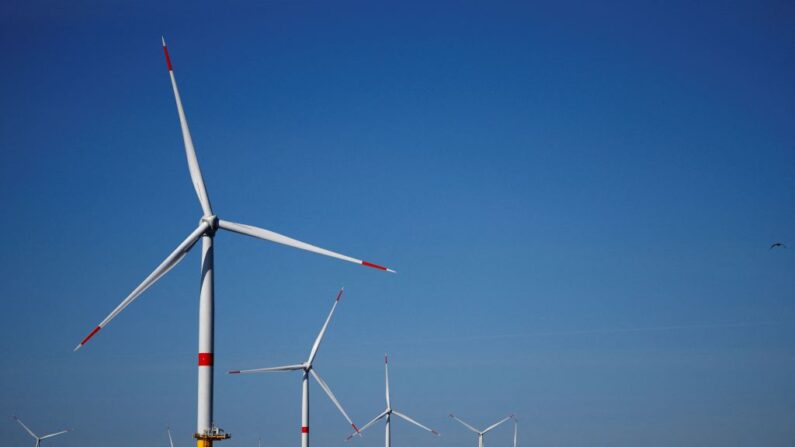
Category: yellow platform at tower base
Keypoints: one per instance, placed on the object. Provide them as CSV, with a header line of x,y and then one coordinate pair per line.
x,y
206,440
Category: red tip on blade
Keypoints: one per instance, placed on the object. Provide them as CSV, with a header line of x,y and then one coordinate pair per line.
x,y
355,428
168,59
233,372
339,295
386,359
435,432
375,266
88,337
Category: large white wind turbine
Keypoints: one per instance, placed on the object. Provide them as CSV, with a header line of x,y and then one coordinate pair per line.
x,y
208,225
480,433
387,414
308,369
37,437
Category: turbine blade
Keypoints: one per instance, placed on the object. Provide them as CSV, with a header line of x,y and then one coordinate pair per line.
x,y
415,422
268,235
171,260
52,435
386,379
465,424
369,424
333,398
170,441
267,370
190,151
515,431
319,338
497,424
25,427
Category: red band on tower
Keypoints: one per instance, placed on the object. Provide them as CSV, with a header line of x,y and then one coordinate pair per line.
x,y
205,359
304,429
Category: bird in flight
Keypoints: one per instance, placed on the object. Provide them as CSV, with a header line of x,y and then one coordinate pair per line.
x,y
777,245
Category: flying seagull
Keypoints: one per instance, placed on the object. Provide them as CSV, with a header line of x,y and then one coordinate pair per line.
x,y
777,245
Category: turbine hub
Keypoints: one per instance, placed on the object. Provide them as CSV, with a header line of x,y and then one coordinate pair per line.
x,y
212,221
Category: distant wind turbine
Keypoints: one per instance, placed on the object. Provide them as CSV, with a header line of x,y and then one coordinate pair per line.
x,y
483,432
170,441
209,223
389,412
308,369
37,437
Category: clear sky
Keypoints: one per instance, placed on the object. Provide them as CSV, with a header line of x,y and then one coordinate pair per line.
x,y
578,198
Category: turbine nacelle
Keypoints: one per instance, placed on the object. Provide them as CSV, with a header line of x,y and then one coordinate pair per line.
x,y
212,223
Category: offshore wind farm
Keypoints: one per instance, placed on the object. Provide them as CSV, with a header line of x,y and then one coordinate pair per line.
x,y
574,215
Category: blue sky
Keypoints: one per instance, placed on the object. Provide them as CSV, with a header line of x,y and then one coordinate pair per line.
x,y
578,198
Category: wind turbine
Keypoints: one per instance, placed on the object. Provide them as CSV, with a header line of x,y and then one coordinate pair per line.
x,y
209,223
389,412
170,441
37,437
483,432
308,369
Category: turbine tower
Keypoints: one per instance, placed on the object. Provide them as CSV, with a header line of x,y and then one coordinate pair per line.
x,y
37,437
308,369
483,432
209,223
389,412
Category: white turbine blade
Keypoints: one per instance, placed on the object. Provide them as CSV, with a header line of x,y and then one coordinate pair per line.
x,y
25,427
267,370
170,441
268,235
319,338
386,379
497,424
415,422
190,151
515,431
333,398
52,435
367,425
173,259
465,424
